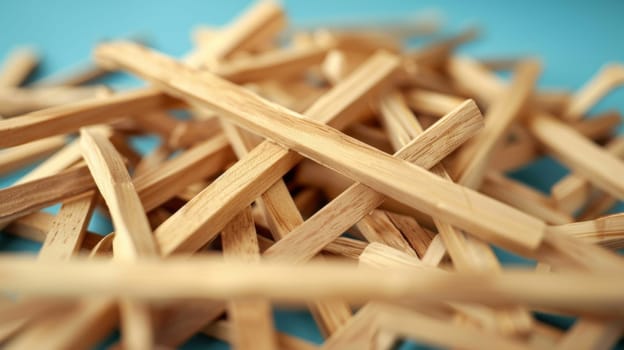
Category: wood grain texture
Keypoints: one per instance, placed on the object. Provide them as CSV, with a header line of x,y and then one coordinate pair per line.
x,y
16,157
69,118
508,227
358,200
597,293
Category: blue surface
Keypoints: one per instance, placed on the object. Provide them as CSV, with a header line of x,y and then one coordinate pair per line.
x,y
573,39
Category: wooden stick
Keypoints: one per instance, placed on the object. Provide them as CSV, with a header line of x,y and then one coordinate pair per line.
x,y
472,161
377,227
324,226
607,231
572,191
251,319
468,253
222,330
283,216
68,229
523,197
257,25
16,101
597,293
266,159
74,76
16,157
18,66
608,78
590,333
579,154
70,117
282,63
431,103
133,237
425,191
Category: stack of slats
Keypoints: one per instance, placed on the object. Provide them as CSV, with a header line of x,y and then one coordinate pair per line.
x,y
332,169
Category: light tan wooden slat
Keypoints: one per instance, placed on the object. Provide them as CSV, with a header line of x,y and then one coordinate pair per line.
x,y
16,157
282,215
523,197
431,103
418,238
377,227
426,192
579,153
70,117
572,191
252,173
331,221
68,229
608,78
282,63
607,231
15,101
468,253
222,331
16,201
18,66
255,26
133,239
598,293
73,76
251,319
471,164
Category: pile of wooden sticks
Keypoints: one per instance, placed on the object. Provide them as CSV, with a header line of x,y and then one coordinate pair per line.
x,y
332,169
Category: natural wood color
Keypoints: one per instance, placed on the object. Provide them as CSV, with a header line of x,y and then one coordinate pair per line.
x,y
222,330
377,227
331,221
263,166
15,101
572,191
152,160
251,319
607,231
74,76
608,78
133,238
600,126
597,293
68,228
70,117
17,157
471,164
590,333
18,66
523,197
418,238
255,26
431,103
426,192
579,153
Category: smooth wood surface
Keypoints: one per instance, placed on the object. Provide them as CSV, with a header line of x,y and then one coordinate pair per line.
x,y
425,191
609,77
17,67
17,157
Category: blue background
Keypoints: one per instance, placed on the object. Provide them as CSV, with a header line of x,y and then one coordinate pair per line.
x,y
573,39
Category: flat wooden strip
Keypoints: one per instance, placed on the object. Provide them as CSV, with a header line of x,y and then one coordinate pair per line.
x,y
282,63
68,229
255,26
251,319
73,76
14,101
468,253
222,331
199,221
335,218
590,333
606,231
608,78
69,118
282,215
572,191
471,164
133,237
497,223
16,157
377,227
523,197
16,201
598,293
579,153
18,66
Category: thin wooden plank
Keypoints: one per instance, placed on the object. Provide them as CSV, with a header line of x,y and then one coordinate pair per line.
x,y
497,222
336,217
18,66
598,293
609,77
252,320
16,157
